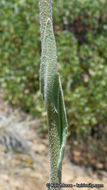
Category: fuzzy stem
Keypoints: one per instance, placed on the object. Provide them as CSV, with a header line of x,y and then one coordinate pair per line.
x,y
51,89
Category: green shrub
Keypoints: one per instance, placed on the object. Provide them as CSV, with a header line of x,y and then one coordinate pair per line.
x,y
20,52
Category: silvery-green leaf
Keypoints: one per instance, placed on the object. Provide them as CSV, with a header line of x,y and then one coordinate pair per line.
x,y
51,89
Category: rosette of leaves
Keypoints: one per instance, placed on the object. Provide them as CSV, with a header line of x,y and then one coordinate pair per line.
x,y
51,88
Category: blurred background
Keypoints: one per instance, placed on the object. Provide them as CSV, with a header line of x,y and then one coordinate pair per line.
x,y
81,36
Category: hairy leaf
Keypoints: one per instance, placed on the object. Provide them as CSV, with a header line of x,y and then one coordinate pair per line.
x,y
51,89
